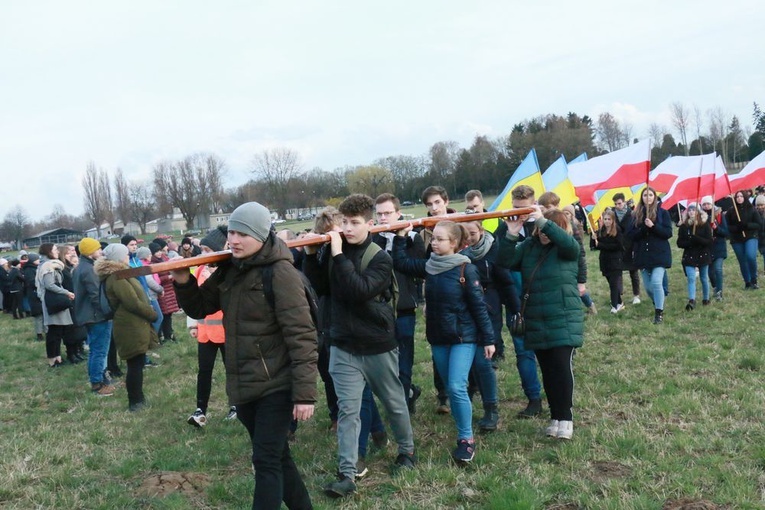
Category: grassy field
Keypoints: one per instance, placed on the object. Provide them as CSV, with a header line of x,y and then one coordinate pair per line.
x,y
666,416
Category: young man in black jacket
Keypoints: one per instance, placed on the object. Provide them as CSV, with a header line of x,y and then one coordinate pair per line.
x,y
362,335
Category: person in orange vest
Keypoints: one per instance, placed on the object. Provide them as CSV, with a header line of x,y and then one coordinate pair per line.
x,y
210,335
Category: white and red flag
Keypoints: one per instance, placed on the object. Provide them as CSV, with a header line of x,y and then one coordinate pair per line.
x,y
751,176
695,178
625,167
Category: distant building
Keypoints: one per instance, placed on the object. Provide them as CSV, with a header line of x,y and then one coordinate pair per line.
x,y
55,236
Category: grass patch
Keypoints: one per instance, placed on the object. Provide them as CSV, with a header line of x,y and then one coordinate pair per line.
x,y
663,414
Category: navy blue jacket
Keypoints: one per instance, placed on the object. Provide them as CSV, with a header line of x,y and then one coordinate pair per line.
x,y
720,233
495,278
457,312
650,246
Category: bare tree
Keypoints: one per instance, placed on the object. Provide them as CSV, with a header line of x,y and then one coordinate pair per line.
x,y
699,120
718,131
122,196
142,204
371,180
275,168
656,132
15,224
609,132
97,200
190,185
681,120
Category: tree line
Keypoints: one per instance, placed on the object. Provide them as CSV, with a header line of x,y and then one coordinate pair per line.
x,y
195,184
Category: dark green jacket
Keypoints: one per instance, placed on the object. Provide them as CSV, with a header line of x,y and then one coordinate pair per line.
x,y
133,316
554,315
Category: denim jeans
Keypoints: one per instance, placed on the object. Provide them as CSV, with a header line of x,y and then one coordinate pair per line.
x,y
717,271
157,323
99,338
746,254
485,376
525,360
405,337
653,281
277,478
453,363
351,373
370,420
690,274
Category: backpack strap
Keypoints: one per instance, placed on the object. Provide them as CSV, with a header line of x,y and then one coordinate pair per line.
x,y
267,276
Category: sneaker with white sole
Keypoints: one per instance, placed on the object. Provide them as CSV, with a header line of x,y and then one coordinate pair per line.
x,y
231,414
198,419
552,428
636,300
618,308
565,429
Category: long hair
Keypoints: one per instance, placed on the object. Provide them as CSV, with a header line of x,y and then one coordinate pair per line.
x,y
642,212
46,249
613,230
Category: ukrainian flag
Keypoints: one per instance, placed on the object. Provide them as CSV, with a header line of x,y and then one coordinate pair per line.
x,y
579,159
556,180
605,199
527,173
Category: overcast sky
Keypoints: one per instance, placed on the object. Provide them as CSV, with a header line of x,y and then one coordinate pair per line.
x,y
128,84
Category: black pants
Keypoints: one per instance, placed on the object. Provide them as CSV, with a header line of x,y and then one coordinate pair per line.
x,y
635,280
206,354
329,385
112,365
615,287
557,365
7,302
277,478
53,339
134,379
167,327
16,298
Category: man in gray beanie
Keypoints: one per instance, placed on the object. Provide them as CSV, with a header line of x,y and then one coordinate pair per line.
x,y
268,391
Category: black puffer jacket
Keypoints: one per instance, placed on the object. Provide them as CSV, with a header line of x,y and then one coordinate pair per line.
x,y
30,291
407,285
267,349
745,225
611,251
362,322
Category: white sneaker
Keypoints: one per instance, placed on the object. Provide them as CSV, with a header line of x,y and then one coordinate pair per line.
x,y
565,429
619,307
198,419
636,300
552,429
614,310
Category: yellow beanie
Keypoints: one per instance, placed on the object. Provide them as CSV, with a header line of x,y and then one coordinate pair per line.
x,y
88,246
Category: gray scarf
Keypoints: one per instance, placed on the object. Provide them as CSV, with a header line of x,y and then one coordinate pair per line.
x,y
438,264
480,250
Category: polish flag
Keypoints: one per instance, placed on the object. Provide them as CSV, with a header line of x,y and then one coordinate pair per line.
x,y
751,176
696,179
625,167
722,182
666,173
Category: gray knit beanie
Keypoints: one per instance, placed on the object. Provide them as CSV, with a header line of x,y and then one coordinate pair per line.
x,y
252,219
143,253
116,251
216,238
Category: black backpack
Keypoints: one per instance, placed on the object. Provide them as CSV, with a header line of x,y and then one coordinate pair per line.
x,y
267,276
103,302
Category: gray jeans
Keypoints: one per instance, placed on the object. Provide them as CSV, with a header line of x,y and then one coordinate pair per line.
x,y
350,373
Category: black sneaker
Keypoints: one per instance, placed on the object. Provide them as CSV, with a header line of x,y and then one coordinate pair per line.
x,y
412,401
405,461
380,439
533,408
198,419
341,488
465,451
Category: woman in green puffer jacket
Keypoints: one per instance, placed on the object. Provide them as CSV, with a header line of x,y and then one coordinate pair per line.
x,y
549,264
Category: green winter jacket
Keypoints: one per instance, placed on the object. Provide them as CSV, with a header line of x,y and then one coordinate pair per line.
x,y
133,316
554,314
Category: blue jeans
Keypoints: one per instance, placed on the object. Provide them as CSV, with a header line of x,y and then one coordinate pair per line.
x,y
653,281
99,338
690,274
746,254
370,420
586,299
405,338
485,376
157,323
525,360
453,363
717,270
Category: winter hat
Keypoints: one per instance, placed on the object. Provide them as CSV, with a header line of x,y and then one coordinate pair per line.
x,y
22,253
127,239
707,200
161,242
154,247
88,246
32,258
186,240
117,252
252,219
3,261
760,200
215,239
143,253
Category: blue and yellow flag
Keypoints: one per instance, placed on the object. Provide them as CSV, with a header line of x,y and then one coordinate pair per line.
x,y
527,173
556,180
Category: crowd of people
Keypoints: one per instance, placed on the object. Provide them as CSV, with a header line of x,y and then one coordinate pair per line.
x,y
354,324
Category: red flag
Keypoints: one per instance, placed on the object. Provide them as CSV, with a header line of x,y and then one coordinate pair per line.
x,y
625,167
722,182
696,179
